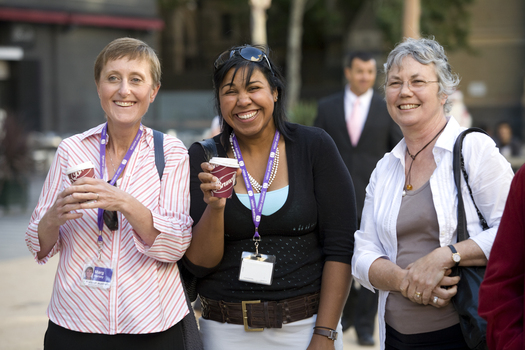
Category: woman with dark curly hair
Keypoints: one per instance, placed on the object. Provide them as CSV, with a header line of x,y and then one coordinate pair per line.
x,y
274,260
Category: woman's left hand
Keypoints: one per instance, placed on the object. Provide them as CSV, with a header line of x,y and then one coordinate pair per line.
x,y
112,198
108,197
424,275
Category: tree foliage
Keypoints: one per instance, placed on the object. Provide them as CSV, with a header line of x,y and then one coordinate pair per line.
x,y
326,27
323,19
447,20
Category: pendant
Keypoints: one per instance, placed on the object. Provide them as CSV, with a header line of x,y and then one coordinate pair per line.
x,y
409,187
404,193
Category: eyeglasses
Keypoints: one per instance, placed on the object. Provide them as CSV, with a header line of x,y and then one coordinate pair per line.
x,y
414,85
249,53
111,218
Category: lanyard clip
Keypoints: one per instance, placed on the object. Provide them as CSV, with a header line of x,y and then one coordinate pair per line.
x,y
256,238
100,243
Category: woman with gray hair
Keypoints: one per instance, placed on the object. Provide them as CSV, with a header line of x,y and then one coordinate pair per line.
x,y
407,245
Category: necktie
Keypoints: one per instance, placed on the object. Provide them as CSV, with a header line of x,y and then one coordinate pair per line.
x,y
354,124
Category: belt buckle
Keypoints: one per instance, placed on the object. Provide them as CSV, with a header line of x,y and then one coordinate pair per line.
x,y
245,316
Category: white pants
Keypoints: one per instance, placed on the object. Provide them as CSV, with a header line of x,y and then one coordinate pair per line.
x,y
295,335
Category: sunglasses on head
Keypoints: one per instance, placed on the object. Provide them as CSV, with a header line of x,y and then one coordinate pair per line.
x,y
249,53
111,218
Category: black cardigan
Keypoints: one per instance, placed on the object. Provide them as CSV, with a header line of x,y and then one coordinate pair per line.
x,y
316,223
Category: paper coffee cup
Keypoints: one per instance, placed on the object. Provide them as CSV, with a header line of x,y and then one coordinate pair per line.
x,y
225,169
79,171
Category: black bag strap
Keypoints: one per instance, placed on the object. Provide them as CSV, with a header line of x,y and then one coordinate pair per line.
x,y
190,331
158,144
210,149
458,166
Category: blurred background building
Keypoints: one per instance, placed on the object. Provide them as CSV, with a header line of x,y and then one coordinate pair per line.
x,y
48,47
50,85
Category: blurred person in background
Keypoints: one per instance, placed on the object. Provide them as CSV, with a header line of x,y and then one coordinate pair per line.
x,y
359,123
215,127
459,110
508,144
407,244
292,213
125,223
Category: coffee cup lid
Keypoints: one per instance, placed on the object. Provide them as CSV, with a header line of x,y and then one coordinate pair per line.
x,y
74,168
229,162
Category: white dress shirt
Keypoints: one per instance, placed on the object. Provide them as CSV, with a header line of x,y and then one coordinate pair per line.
x,y
364,104
490,176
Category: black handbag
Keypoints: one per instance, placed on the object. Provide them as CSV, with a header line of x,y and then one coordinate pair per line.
x,y
473,327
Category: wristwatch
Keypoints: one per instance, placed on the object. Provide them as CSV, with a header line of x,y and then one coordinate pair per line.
x,y
327,332
456,258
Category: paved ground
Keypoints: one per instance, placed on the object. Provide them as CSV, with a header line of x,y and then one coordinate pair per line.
x,y
26,286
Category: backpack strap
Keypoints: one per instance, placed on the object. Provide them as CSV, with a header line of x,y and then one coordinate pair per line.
x,y
158,144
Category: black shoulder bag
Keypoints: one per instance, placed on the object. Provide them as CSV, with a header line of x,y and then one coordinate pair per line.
x,y
473,327
190,331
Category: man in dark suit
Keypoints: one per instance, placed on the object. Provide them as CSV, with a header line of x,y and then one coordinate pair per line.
x,y
359,123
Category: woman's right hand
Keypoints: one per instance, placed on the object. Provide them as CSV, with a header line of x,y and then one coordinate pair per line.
x,y
210,183
207,245
65,205
58,214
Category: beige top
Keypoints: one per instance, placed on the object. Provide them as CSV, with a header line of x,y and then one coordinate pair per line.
x,y
417,235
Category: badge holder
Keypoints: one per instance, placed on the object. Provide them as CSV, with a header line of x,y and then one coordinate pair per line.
x,y
97,274
257,268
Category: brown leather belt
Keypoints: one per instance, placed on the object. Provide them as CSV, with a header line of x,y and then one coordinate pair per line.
x,y
256,315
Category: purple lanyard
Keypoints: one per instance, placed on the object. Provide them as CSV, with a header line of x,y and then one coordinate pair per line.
x,y
103,142
256,209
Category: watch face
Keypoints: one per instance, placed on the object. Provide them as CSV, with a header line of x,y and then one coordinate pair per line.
x,y
456,257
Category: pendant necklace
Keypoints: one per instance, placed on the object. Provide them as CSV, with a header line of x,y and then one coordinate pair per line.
x,y
112,165
408,186
110,159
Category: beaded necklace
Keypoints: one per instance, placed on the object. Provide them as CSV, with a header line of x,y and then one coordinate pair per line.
x,y
256,186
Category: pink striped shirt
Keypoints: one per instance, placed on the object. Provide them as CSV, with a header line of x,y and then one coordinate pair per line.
x,y
146,295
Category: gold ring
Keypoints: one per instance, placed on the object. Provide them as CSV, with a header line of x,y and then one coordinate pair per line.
x,y
98,196
435,300
418,295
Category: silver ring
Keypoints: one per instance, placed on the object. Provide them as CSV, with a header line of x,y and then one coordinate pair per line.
x,y
435,300
418,295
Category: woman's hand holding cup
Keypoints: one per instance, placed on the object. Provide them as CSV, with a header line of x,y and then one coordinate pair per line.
x,y
210,183
218,179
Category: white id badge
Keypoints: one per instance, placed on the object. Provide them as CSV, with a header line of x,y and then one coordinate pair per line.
x,y
97,275
257,268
